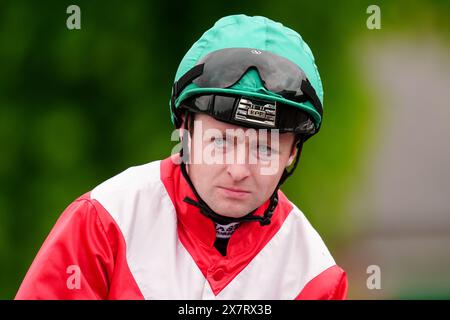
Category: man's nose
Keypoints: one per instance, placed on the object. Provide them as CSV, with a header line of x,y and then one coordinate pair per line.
x,y
238,172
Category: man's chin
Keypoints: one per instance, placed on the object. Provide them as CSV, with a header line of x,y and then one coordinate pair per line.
x,y
233,212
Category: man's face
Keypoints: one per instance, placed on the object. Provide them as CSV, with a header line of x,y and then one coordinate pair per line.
x,y
239,168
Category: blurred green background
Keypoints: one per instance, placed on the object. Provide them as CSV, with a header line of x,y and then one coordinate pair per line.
x,y
79,106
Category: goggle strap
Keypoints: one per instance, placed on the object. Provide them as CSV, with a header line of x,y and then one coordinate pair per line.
x,y
187,78
178,87
308,89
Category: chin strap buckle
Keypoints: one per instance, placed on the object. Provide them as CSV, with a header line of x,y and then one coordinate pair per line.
x,y
269,211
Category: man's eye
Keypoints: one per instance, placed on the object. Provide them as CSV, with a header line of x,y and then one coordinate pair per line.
x,y
264,149
219,142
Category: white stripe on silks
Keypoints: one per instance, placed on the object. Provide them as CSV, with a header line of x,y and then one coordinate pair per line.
x,y
207,293
293,257
138,202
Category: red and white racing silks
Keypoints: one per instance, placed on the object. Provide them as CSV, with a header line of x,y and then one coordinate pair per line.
x,y
133,237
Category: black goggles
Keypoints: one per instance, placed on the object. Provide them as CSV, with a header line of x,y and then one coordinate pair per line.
x,y
223,68
251,112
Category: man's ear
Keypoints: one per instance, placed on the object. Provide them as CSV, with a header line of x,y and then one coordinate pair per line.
x,y
180,131
292,156
182,116
294,151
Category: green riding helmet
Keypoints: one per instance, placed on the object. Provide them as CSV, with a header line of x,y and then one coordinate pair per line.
x,y
253,72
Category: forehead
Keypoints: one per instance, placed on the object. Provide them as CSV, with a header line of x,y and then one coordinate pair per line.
x,y
209,122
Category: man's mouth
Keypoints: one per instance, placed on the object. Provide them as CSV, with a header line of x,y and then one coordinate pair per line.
x,y
234,192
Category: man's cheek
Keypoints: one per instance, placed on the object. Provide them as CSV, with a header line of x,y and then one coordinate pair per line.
x,y
271,167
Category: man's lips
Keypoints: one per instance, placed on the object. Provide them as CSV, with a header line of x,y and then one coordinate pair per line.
x,y
234,192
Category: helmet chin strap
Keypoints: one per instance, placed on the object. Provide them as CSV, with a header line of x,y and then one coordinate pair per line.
x,y
220,219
